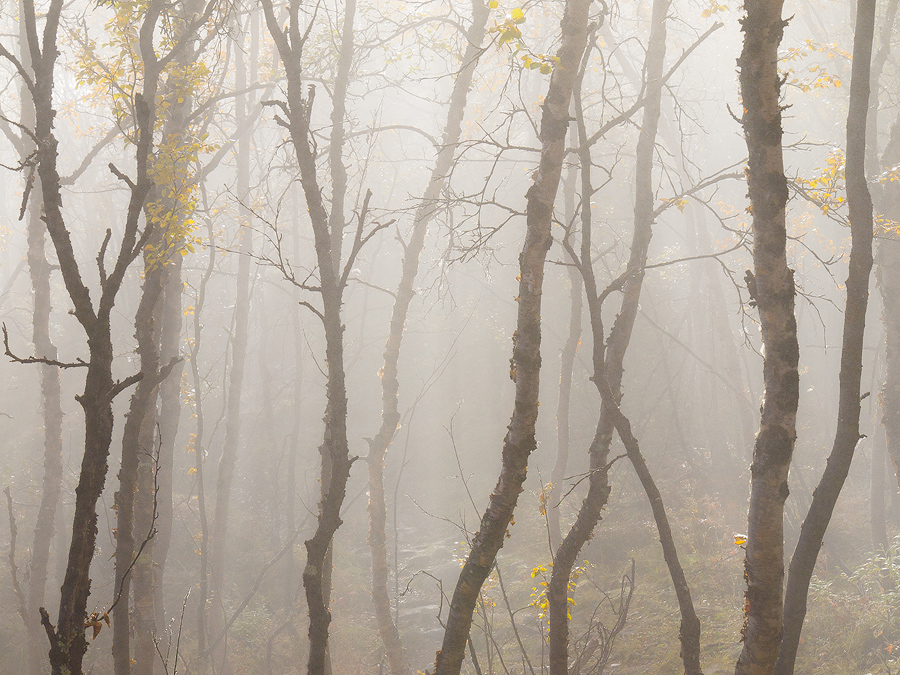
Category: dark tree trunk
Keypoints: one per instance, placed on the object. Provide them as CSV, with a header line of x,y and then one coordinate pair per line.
x,y
332,280
847,436
390,386
608,362
526,359
133,532
67,640
771,287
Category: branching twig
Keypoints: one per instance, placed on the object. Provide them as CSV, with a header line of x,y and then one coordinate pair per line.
x,y
79,363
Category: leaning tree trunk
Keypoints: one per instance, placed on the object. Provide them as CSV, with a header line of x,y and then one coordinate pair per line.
x,y
771,288
390,386
526,359
859,202
608,362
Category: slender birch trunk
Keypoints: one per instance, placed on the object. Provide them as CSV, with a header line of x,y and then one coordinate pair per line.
x,y
390,385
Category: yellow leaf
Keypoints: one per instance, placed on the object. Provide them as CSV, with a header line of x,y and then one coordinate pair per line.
x,y
493,4
740,539
517,15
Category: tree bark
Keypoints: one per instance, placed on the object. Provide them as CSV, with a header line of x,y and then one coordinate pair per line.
x,y
771,287
608,361
390,385
67,640
526,359
566,369
199,463
847,436
133,532
336,461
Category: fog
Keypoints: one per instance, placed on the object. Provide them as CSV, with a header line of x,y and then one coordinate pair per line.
x,y
340,334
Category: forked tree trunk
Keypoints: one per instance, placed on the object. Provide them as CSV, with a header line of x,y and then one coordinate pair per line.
x,y
526,359
332,280
67,640
847,435
390,385
771,287
608,361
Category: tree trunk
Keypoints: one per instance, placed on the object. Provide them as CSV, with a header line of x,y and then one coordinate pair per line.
x,y
390,386
336,461
67,640
51,399
134,528
608,362
231,443
131,533
172,316
566,369
888,278
772,290
199,463
847,436
526,359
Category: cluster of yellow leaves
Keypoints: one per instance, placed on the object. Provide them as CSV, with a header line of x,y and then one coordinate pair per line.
x,y
172,170
815,76
510,34
678,202
544,500
713,8
539,599
111,71
826,186
103,70
886,226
